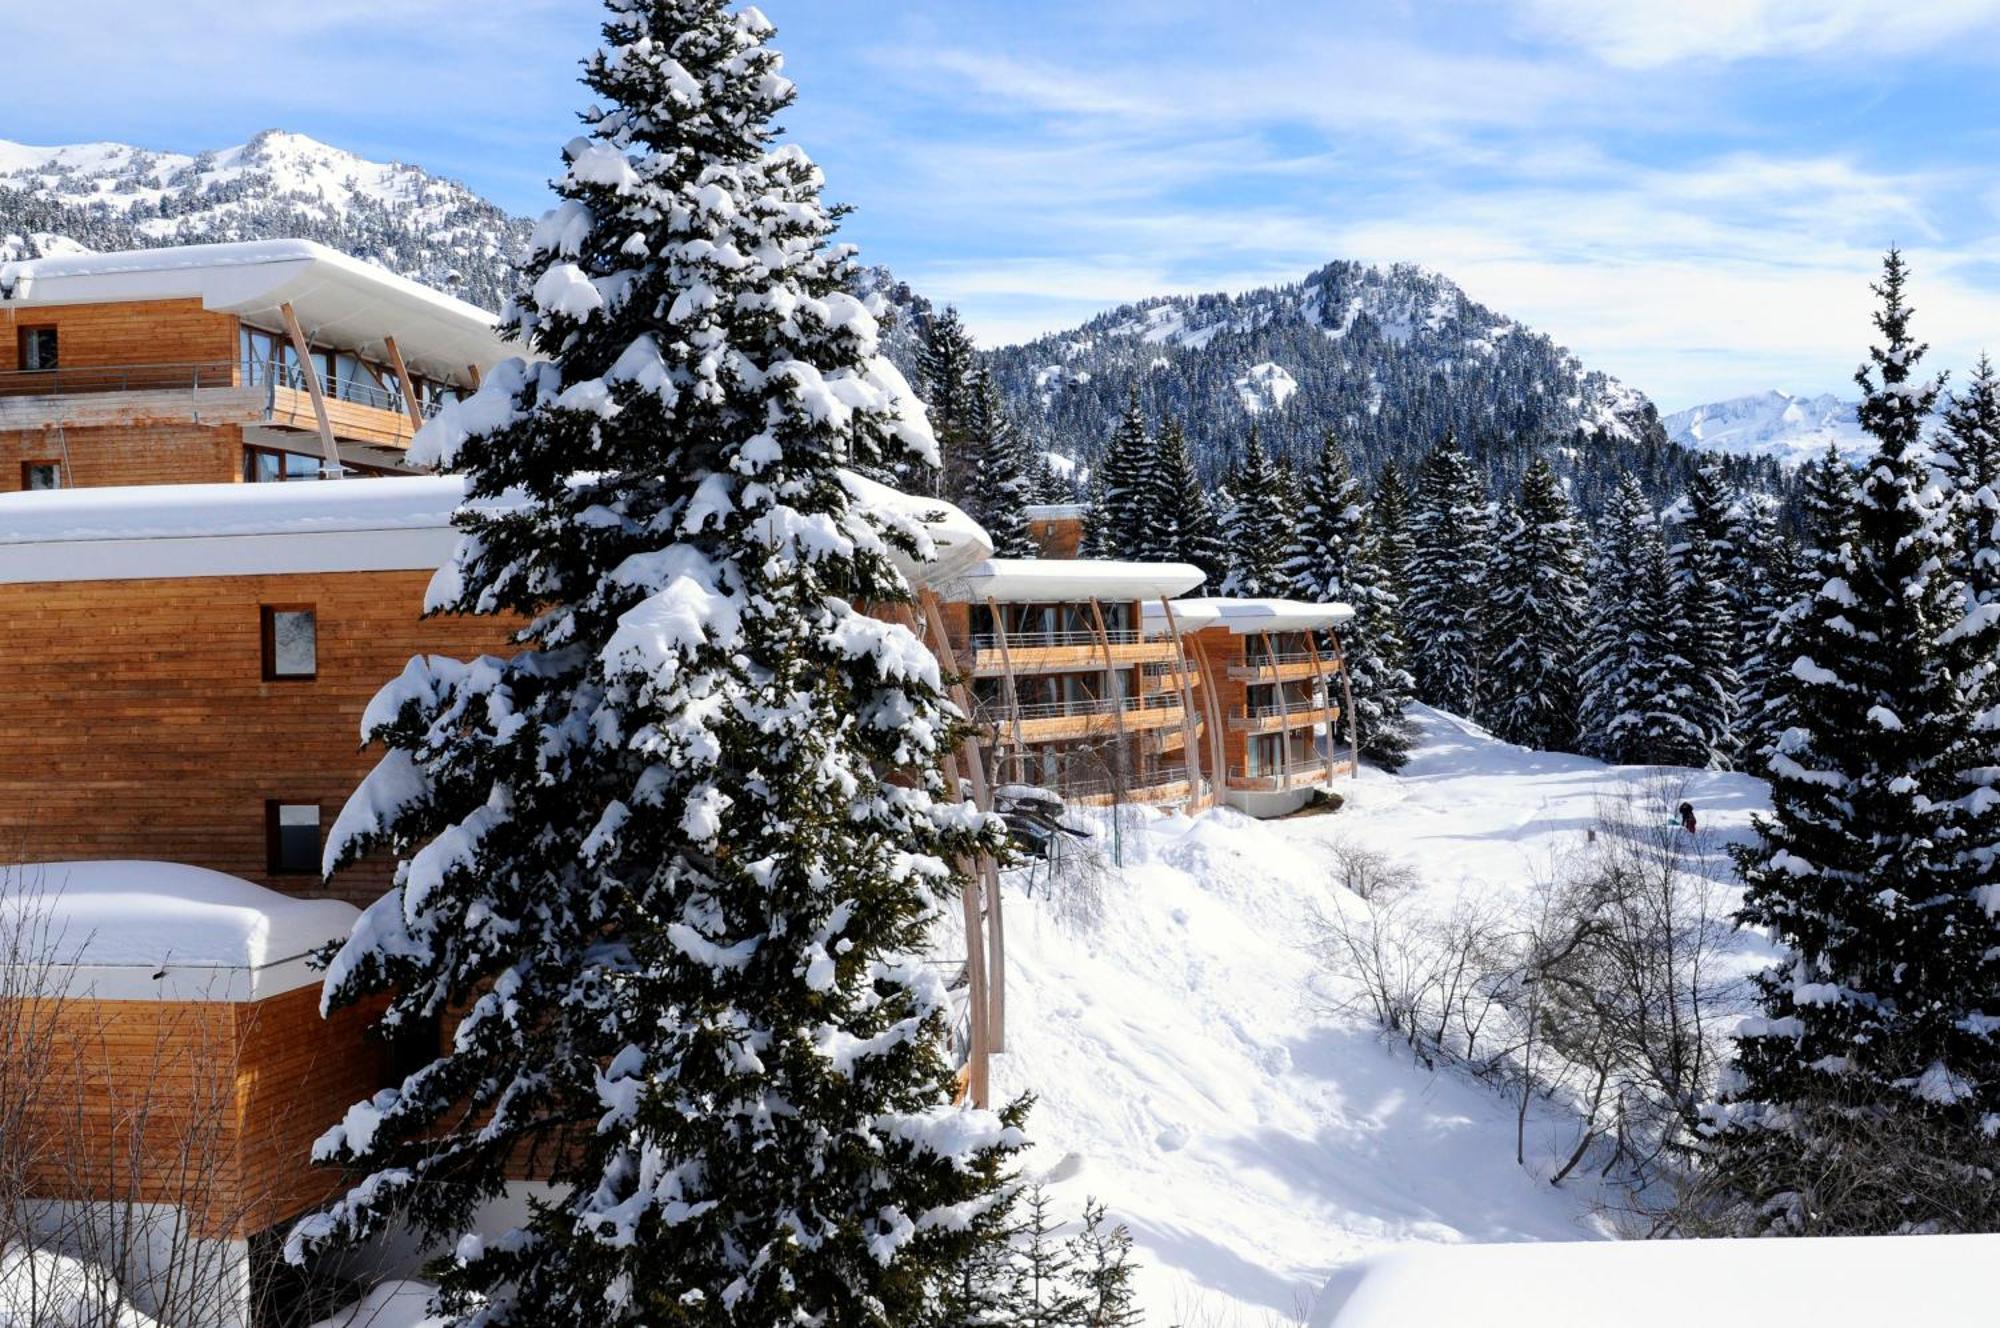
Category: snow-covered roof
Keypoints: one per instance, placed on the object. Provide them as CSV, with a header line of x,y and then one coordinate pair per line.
x,y
1245,617
341,302
1055,580
395,524
172,530
1936,1280
165,931
1056,511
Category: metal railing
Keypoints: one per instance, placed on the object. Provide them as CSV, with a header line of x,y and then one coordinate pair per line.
x,y
1000,712
1038,640
195,376
1300,706
1136,785
1307,771
1287,657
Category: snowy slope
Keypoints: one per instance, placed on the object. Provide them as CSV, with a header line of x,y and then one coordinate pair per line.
x,y
116,196
1187,1077
1786,428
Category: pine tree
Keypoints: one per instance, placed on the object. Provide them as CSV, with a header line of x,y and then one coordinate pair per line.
x,y
1703,681
1970,442
1257,531
998,483
1180,523
1048,1295
1049,485
1539,596
668,872
1389,516
1862,1098
1766,575
1116,524
1101,1254
1338,562
1444,609
948,366
1826,519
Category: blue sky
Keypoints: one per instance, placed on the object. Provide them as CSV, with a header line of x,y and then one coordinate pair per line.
x,y
1691,194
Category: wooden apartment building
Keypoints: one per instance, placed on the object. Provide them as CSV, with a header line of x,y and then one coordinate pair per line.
x,y
261,361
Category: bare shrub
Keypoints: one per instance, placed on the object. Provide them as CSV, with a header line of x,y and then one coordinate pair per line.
x,y
1366,874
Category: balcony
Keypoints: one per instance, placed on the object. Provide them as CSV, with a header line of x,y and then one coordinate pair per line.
x,y
1051,652
1168,783
215,392
1293,715
1277,668
1305,774
1043,721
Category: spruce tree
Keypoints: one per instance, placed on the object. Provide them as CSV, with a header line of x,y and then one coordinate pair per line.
x,y
1970,443
1115,526
1826,524
998,483
1101,1255
667,873
1862,1099
1766,575
1258,530
948,365
1444,609
1180,522
1338,562
1539,597
1703,680
1389,517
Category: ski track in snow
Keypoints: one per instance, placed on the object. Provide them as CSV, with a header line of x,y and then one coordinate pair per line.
x,y
1253,1142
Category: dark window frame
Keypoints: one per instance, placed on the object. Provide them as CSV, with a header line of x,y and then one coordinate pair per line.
x,y
36,463
274,853
252,451
30,330
267,631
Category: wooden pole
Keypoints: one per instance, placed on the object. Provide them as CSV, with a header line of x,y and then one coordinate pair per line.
x,y
1011,688
1188,716
1347,691
989,873
1284,713
1320,696
1212,720
409,386
1123,766
472,376
329,449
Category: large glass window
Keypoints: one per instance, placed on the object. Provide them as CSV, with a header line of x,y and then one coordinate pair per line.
x,y
38,347
268,465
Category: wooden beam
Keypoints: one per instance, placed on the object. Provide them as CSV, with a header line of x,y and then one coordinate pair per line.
x,y
329,449
1188,716
472,376
409,385
1284,714
1122,769
1347,691
1319,695
1012,689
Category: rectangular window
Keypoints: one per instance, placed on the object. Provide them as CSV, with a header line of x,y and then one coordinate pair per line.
x,y
291,838
291,642
41,475
268,465
38,348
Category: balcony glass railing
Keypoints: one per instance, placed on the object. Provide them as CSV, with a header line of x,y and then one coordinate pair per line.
x,y
267,374
1039,640
999,712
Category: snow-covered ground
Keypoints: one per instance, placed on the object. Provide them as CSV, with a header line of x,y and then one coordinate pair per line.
x,y
1190,1077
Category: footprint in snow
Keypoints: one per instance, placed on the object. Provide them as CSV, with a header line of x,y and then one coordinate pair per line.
x,y
1172,1139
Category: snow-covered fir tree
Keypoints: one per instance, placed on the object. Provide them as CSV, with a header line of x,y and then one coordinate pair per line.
x,y
1389,521
1619,673
1970,443
1865,1097
1765,575
668,872
1115,526
1336,562
1444,606
1048,484
1539,596
1702,678
1258,529
998,483
947,365
1180,522
1825,508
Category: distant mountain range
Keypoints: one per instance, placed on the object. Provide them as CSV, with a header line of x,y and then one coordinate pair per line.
x,y
1392,358
109,196
1772,425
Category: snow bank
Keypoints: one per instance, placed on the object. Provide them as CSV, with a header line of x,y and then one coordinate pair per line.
x,y
39,1289
390,1305
1191,1076
157,915
1940,1281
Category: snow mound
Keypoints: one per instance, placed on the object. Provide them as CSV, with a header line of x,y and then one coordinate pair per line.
x,y
399,1304
39,1289
153,914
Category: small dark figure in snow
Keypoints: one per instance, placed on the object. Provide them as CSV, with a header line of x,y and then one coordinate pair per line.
x,y
1687,817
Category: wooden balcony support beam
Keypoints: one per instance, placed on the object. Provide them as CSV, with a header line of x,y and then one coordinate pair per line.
x,y
329,450
408,385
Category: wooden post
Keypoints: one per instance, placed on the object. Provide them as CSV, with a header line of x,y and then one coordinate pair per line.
x,y
1188,716
472,376
410,402
1347,692
1212,719
989,874
329,450
1319,695
1124,764
1284,713
1012,689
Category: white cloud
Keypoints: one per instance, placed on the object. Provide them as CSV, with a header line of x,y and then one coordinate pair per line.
x,y
1648,33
